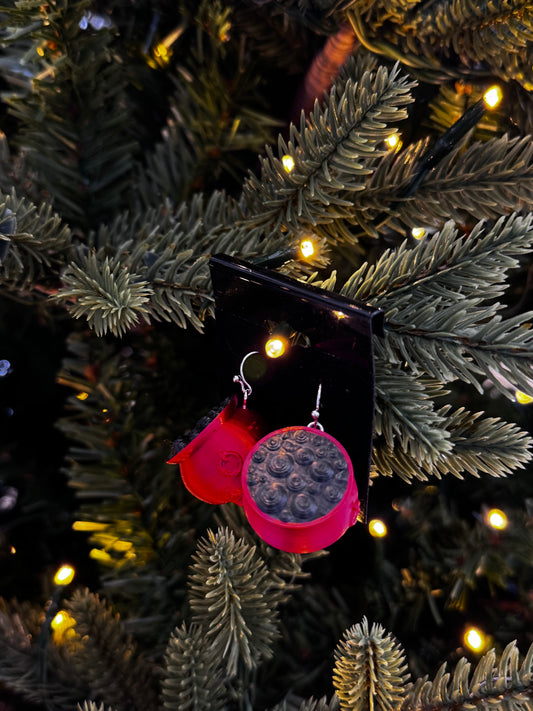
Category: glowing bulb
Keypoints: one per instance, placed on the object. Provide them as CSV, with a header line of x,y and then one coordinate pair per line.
x,y
474,639
64,575
377,528
276,346
89,526
393,141
497,519
307,248
61,620
418,232
82,396
12,550
493,96
62,626
523,398
100,555
288,162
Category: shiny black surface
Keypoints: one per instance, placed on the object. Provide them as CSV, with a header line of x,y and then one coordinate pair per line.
x,y
335,349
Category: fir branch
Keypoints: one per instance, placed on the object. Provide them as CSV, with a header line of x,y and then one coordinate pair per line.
x,y
34,240
448,40
285,568
234,598
107,295
321,704
214,119
274,35
467,183
479,445
192,677
482,182
502,681
28,667
107,657
503,28
439,299
332,155
74,125
93,706
369,670
128,498
405,415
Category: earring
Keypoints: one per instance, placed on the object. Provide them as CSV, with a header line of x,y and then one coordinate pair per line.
x,y
211,459
299,490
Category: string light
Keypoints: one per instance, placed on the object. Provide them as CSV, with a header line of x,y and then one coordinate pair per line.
x,y
393,142
63,626
100,555
523,398
492,97
307,248
276,346
89,526
496,518
64,575
418,232
288,162
377,528
82,396
475,639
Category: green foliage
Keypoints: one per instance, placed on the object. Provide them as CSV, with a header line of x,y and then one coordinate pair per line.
x,y
192,679
36,241
321,704
215,122
78,102
239,624
477,446
448,39
106,657
496,681
108,296
93,706
448,286
333,154
30,663
369,669
129,499
479,182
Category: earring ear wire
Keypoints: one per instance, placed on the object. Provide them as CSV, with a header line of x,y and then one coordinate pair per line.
x,y
245,385
315,414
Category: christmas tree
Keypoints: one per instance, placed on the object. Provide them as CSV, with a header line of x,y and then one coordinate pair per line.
x,y
139,141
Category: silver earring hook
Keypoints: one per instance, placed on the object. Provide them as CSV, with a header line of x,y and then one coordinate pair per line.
x,y
316,414
245,385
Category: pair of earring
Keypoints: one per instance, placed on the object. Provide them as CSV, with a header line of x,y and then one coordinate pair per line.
x,y
296,484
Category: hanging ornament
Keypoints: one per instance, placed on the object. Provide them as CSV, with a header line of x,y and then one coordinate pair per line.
x,y
299,490
211,461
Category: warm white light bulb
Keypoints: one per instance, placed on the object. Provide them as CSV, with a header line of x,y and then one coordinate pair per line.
x,y
288,162
64,575
493,96
307,248
377,528
523,398
497,519
393,141
275,346
418,232
474,639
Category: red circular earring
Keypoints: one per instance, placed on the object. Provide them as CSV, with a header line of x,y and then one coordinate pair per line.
x,y
299,490
211,462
